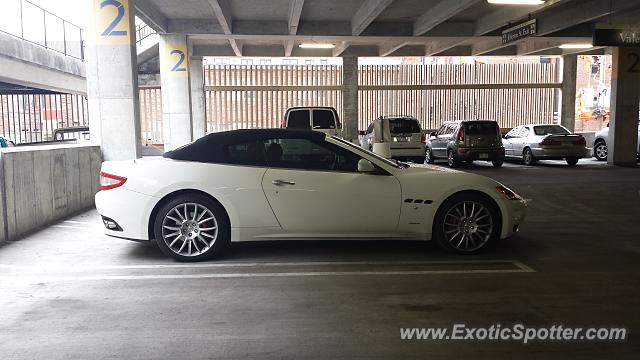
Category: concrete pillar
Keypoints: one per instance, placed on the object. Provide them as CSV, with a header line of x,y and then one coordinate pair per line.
x,y
350,98
176,93
112,79
198,116
569,78
625,99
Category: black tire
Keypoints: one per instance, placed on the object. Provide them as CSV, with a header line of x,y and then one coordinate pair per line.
x,y
497,163
600,151
528,158
451,159
572,161
440,228
428,157
220,222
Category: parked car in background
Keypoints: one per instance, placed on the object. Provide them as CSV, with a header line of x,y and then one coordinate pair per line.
x,y
600,149
242,185
407,138
544,142
319,118
466,140
79,133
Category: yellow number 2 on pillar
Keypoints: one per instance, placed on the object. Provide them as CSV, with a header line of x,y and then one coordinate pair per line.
x,y
111,24
176,59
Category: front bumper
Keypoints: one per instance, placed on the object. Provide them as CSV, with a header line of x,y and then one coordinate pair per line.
x,y
560,153
514,214
130,210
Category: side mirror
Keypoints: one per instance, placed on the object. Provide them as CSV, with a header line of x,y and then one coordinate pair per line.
x,y
365,166
362,132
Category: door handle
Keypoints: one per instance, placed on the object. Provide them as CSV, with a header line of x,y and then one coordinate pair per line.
x,y
282,182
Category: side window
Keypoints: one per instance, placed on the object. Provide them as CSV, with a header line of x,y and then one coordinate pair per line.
x,y
307,155
250,153
370,128
449,129
323,119
442,129
513,132
524,132
299,119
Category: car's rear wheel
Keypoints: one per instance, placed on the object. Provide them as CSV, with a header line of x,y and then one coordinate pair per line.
x,y
497,163
528,158
600,151
191,228
467,223
572,161
428,157
451,159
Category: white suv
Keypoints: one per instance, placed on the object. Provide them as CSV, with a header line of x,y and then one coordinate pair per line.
x,y
318,118
407,139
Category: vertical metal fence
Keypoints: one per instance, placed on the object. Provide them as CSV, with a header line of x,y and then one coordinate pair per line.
x,y
243,96
257,96
29,118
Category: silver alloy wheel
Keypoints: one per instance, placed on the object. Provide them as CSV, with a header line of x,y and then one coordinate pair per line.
x,y
602,151
450,159
189,229
428,156
468,226
528,157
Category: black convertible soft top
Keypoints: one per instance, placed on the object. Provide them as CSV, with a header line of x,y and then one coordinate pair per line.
x,y
211,148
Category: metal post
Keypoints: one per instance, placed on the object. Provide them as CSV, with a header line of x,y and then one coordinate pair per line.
x,y
64,36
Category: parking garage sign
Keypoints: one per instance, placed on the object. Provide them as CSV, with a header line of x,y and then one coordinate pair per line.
x,y
520,31
616,37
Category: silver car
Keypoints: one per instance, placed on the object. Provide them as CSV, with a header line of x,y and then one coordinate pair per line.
x,y
600,150
544,142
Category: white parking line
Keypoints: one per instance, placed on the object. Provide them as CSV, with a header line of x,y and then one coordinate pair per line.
x,y
66,268
75,227
47,271
29,278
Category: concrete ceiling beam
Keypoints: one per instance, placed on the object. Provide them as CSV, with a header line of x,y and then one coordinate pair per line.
x,y
295,11
223,15
151,16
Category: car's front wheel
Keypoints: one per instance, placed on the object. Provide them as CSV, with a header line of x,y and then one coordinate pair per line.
x,y
600,151
451,159
528,158
467,223
191,228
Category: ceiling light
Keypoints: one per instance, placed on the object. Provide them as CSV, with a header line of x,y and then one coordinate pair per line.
x,y
316,46
576,46
516,2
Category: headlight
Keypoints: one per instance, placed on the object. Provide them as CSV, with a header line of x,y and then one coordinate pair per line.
x,y
508,193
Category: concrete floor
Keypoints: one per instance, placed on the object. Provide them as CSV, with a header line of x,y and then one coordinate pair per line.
x,y
71,292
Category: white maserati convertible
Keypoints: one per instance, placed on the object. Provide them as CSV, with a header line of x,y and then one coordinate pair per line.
x,y
288,184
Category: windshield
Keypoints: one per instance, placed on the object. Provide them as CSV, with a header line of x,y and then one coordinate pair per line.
x,y
404,126
550,130
378,157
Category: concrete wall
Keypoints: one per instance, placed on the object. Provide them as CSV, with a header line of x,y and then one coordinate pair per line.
x,y
42,184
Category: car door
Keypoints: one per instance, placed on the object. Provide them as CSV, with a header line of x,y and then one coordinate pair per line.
x,y
438,143
508,141
299,119
324,120
519,142
314,189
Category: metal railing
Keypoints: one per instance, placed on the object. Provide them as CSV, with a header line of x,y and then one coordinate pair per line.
x,y
34,117
36,25
143,31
